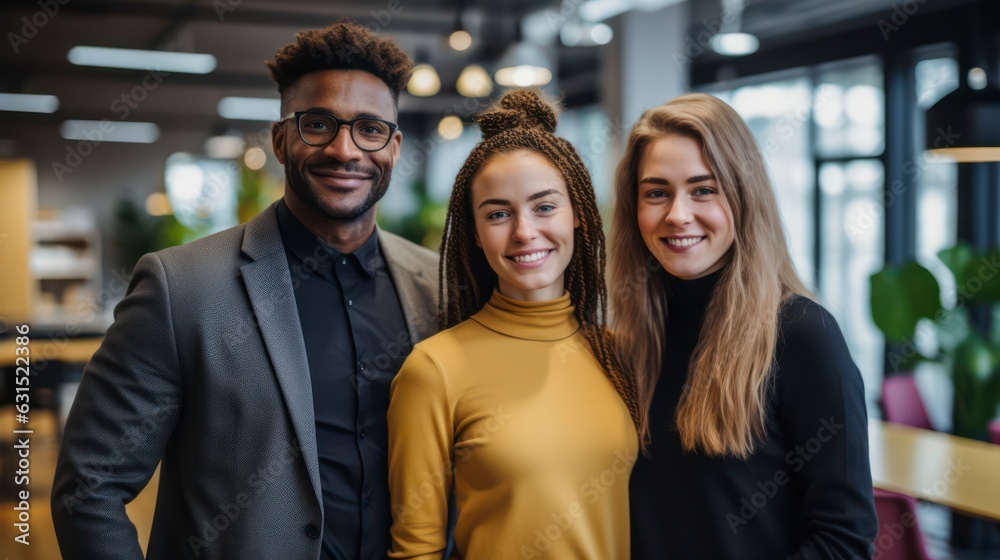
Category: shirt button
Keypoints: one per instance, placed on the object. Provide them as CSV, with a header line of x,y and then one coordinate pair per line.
x,y
312,530
343,261
361,366
350,303
362,434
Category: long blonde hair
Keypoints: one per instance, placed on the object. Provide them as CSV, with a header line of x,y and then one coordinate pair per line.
x,y
723,407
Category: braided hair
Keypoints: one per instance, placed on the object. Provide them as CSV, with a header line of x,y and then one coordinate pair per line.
x,y
522,121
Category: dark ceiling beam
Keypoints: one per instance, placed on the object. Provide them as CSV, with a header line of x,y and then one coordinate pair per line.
x,y
121,76
409,18
173,26
863,38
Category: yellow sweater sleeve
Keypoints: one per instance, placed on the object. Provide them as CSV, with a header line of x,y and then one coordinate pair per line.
x,y
421,434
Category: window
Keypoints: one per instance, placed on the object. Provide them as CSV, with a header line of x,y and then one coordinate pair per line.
x,y
778,114
850,137
936,178
822,132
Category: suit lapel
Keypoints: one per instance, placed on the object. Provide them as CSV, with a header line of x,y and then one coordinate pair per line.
x,y
417,293
269,286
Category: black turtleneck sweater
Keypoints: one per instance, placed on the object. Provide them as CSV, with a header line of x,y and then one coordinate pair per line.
x,y
806,493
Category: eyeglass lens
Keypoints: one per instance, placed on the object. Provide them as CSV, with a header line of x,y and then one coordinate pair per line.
x,y
368,134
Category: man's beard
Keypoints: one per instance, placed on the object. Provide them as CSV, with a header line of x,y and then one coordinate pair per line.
x,y
380,184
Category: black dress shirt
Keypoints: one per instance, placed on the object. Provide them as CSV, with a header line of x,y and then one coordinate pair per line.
x,y
805,493
356,339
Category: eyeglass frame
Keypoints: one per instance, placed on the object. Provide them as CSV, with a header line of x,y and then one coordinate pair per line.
x,y
297,115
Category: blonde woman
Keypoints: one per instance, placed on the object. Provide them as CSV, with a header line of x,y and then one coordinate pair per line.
x,y
754,410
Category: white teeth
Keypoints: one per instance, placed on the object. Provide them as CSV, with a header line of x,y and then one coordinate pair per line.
x,y
532,257
685,242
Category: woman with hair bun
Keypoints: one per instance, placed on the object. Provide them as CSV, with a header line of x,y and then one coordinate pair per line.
x,y
519,409
753,410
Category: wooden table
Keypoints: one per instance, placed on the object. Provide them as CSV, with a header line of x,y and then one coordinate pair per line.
x,y
74,350
960,473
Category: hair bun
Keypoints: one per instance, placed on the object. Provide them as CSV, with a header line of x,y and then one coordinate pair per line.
x,y
518,109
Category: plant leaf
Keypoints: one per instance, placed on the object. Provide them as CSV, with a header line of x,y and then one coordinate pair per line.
x,y
957,260
901,296
982,278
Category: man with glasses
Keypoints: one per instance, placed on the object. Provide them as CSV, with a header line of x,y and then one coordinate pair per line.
x,y
256,363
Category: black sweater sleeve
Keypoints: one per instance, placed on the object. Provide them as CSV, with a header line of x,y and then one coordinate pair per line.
x,y
821,409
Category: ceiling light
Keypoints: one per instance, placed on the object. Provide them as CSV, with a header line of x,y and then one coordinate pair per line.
x,y
602,34
731,41
962,126
450,127
976,78
582,34
474,81
601,10
110,131
424,82
734,44
133,59
250,108
460,40
523,65
28,103
224,147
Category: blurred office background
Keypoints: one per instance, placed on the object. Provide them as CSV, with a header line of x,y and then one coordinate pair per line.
x,y
100,164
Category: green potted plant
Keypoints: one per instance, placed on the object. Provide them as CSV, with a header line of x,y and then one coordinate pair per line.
x,y
903,295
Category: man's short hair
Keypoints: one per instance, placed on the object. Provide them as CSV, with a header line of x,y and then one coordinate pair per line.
x,y
341,46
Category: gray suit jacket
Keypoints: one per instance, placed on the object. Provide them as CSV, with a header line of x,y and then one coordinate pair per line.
x,y
205,369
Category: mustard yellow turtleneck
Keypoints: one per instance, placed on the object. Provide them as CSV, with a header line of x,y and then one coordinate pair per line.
x,y
512,410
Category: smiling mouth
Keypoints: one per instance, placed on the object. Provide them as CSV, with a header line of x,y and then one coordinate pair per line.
x,y
340,179
682,242
531,258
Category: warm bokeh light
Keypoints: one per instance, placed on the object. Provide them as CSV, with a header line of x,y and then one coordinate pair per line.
x,y
460,40
474,81
255,158
450,127
424,82
157,204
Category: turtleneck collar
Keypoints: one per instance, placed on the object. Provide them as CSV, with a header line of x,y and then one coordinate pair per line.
x,y
529,320
689,298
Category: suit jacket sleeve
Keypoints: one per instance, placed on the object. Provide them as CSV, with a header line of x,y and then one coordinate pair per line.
x,y
822,411
420,459
124,413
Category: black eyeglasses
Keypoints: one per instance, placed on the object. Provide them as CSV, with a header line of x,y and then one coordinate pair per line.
x,y
319,129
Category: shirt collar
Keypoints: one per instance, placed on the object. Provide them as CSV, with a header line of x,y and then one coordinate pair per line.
x,y
529,320
306,245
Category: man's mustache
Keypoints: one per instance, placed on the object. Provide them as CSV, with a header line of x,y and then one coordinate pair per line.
x,y
343,167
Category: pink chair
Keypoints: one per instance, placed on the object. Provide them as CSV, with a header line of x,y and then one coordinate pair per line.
x,y
995,431
902,403
899,536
